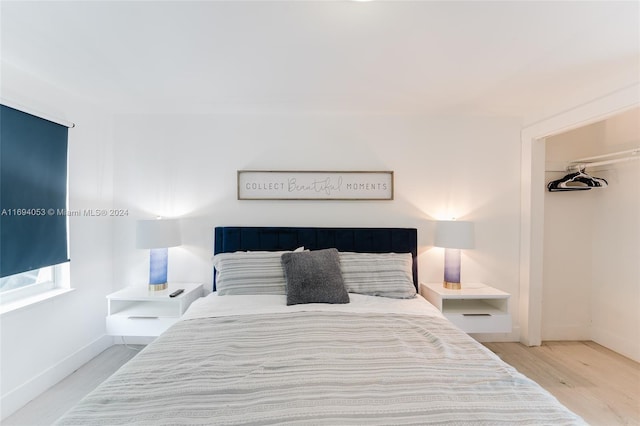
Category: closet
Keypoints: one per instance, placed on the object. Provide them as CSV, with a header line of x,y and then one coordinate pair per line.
x,y
591,271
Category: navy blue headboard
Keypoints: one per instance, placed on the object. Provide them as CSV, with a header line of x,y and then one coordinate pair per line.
x,y
363,240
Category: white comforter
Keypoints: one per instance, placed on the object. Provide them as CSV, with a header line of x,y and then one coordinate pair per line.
x,y
253,360
214,305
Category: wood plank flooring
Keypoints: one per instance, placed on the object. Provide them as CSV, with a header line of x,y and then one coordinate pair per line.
x,y
594,382
598,384
51,405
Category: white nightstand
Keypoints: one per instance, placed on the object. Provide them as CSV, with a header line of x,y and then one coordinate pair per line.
x,y
476,308
136,311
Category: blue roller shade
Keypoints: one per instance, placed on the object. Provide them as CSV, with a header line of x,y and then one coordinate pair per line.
x,y
33,192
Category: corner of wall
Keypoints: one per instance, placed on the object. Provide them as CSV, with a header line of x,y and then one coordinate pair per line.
x,y
20,396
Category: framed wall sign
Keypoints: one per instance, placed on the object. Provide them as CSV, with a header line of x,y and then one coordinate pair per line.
x,y
314,185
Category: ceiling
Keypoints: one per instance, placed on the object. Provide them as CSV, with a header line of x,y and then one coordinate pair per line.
x,y
399,57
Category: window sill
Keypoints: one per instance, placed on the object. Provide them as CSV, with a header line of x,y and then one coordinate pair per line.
x,y
33,300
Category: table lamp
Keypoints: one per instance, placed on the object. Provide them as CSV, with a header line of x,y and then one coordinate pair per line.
x,y
158,235
453,235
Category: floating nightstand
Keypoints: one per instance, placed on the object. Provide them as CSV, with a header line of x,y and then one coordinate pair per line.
x,y
476,308
136,311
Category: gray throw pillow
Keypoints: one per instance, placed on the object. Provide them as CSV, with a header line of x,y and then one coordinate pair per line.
x,y
314,277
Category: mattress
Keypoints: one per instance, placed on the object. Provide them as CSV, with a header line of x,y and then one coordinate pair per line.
x,y
253,360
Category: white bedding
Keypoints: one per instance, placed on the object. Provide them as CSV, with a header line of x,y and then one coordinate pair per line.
x,y
215,306
252,360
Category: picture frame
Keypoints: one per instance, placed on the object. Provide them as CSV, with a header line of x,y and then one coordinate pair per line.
x,y
315,185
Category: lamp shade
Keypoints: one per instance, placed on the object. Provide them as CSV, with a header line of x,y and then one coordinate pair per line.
x,y
456,234
157,233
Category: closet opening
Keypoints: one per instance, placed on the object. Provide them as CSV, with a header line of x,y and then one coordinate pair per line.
x,y
591,235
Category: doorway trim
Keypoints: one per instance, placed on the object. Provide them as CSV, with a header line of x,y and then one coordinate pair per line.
x,y
532,188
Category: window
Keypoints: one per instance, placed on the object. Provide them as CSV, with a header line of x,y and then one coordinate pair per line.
x,y
33,204
26,279
31,283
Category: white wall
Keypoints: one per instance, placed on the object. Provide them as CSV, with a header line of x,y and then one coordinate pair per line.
x,y
43,343
185,166
592,243
615,291
568,227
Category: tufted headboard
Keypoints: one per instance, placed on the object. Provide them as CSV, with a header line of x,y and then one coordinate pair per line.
x,y
363,240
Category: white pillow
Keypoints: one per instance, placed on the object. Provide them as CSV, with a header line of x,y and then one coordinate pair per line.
x,y
250,272
378,274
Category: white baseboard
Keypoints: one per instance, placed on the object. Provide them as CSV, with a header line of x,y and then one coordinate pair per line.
x,y
566,332
624,346
17,398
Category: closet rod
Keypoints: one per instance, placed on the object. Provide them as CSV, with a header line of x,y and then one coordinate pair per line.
x,y
47,117
580,166
582,163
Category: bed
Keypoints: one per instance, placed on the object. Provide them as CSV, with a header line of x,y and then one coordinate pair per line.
x,y
255,352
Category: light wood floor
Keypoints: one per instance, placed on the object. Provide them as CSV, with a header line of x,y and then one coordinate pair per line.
x,y
594,382
51,405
